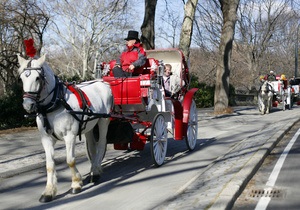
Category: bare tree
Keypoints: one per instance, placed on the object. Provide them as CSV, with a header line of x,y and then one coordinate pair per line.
x,y
187,27
259,32
257,47
229,11
19,20
147,28
170,23
85,30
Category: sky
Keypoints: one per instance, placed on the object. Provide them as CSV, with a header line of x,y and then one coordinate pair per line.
x,y
176,6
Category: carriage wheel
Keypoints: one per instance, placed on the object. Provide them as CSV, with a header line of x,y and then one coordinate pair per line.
x,y
159,140
192,128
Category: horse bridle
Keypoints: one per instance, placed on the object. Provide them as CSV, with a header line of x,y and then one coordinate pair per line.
x,y
35,95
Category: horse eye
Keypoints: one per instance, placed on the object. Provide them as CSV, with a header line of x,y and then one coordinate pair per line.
x,y
37,79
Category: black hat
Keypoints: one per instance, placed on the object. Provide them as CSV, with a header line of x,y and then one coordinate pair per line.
x,y
132,35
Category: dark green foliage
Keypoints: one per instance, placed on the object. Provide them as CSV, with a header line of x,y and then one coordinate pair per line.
x,y
232,101
12,112
204,97
68,78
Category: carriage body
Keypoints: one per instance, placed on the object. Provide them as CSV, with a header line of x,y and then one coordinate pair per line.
x,y
147,114
283,94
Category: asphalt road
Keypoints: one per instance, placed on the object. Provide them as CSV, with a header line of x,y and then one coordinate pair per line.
x,y
276,185
229,150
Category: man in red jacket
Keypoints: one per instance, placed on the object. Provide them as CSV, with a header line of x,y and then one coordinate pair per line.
x,y
131,59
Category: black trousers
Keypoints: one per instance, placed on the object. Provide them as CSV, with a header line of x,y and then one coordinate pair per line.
x,y
118,72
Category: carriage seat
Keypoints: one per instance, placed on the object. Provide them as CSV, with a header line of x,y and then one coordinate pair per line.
x,y
132,90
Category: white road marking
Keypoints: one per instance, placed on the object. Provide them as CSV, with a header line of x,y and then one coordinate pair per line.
x,y
264,201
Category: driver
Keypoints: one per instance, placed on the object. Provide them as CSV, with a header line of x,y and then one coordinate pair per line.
x,y
132,58
271,76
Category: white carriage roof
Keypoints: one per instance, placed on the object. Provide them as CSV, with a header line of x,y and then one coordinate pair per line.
x,y
166,55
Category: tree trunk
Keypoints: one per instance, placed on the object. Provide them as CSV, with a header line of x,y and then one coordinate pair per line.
x,y
229,11
147,28
187,27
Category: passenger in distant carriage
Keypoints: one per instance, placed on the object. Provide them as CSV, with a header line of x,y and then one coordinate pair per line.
x,y
284,80
167,79
271,76
132,58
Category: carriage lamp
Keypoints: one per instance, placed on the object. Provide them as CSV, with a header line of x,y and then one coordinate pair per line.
x,y
161,68
99,68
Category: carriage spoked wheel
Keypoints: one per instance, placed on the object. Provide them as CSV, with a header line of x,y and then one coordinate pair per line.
x,y
192,128
159,140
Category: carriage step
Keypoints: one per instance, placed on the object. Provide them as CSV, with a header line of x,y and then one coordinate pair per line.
x,y
121,146
138,143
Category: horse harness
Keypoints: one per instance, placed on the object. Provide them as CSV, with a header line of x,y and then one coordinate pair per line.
x,y
57,99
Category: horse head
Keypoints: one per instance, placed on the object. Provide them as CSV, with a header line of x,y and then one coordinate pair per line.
x,y
33,75
266,87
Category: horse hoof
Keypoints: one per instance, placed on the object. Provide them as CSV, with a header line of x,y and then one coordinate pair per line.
x,y
75,190
46,198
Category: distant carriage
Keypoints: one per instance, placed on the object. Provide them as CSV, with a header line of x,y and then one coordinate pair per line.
x,y
283,94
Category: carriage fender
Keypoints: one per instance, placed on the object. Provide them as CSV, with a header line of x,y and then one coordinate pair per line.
x,y
187,101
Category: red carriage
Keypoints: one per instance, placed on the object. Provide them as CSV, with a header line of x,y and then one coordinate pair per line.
x,y
143,113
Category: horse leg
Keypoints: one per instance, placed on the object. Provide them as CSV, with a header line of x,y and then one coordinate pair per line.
x,y
51,186
269,105
76,176
267,109
90,145
263,108
96,147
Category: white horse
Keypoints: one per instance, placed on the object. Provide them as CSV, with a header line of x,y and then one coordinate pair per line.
x,y
265,98
52,101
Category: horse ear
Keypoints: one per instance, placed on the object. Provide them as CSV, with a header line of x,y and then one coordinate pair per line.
x,y
21,60
42,60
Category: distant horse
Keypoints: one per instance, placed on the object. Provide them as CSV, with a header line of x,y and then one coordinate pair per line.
x,y
53,102
265,98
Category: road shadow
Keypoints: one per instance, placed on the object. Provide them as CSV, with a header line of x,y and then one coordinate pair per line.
x,y
118,171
